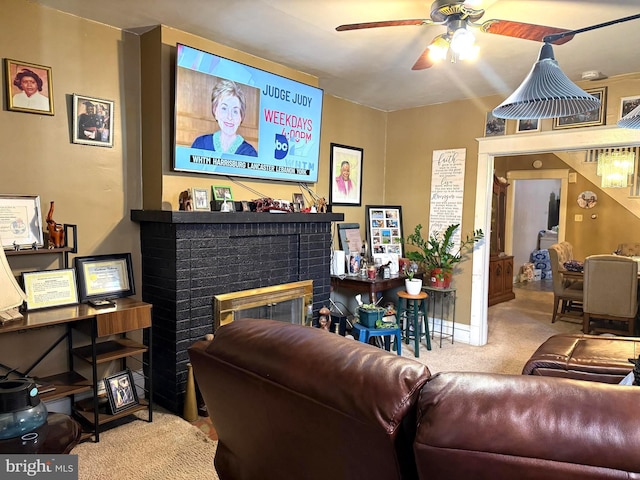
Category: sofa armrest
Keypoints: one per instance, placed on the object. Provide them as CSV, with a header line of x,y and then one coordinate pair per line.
x,y
487,426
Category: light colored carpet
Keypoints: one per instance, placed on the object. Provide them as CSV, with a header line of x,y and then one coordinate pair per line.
x,y
516,330
167,448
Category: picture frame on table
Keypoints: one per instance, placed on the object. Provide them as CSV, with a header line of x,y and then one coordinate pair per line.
x,y
345,175
494,126
200,199
592,118
528,126
92,121
20,221
29,87
628,104
102,277
50,288
384,229
121,391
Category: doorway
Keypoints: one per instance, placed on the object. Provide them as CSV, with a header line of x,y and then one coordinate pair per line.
x,y
490,147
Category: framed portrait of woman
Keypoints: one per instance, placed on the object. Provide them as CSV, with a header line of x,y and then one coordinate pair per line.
x,y
346,175
29,87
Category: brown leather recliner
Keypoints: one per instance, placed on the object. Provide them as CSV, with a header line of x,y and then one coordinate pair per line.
x,y
293,402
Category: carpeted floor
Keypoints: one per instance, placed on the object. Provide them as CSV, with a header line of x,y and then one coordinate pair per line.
x,y
167,448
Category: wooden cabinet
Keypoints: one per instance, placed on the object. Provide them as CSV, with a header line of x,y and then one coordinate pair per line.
x,y
500,265
500,279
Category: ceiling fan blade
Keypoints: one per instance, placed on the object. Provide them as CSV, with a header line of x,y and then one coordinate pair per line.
x,y
527,31
423,61
387,23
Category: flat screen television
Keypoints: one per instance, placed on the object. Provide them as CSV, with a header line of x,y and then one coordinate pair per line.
x,y
233,119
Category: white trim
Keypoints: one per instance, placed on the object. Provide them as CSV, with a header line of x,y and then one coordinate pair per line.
x,y
490,147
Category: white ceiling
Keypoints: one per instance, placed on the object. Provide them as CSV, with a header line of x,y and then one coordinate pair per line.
x,y
373,67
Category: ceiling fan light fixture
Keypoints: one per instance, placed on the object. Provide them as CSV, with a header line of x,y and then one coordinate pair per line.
x,y
462,41
546,93
438,48
631,119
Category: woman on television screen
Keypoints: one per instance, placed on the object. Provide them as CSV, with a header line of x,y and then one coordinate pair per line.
x,y
228,107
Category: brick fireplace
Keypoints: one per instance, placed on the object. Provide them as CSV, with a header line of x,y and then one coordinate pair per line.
x,y
189,257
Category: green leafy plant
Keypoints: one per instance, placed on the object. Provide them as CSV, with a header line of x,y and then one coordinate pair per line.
x,y
409,272
437,251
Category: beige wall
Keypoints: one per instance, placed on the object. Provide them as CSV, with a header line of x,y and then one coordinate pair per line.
x,y
93,187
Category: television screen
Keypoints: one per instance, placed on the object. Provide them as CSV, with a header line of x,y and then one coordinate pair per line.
x,y
232,119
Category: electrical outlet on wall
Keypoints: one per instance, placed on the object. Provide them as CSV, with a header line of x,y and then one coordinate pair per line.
x,y
578,217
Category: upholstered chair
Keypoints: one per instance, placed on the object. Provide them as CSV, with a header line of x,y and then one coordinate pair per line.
x,y
610,294
567,294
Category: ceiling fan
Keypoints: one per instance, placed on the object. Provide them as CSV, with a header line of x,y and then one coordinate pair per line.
x,y
457,16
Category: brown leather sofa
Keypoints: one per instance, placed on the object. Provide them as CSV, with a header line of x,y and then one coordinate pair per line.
x,y
293,402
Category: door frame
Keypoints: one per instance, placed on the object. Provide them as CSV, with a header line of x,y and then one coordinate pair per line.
x,y
490,147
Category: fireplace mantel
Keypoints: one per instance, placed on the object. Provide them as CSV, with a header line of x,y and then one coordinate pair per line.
x,y
190,257
172,216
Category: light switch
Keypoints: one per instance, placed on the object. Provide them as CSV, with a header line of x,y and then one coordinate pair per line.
x,y
578,217
573,177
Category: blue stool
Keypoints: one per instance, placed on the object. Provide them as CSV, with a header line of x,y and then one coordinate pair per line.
x,y
408,304
365,333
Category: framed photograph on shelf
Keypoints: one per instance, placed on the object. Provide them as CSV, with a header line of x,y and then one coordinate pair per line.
x,y
222,193
298,198
350,238
121,391
200,199
527,126
346,175
494,126
589,119
384,229
628,104
104,276
92,121
20,221
29,87
50,288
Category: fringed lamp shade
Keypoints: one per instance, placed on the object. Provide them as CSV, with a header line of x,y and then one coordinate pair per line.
x,y
631,119
546,93
11,295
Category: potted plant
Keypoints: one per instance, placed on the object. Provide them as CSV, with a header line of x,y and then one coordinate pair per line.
x,y
412,285
436,253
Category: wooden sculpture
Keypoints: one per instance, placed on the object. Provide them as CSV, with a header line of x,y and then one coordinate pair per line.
x,y
56,230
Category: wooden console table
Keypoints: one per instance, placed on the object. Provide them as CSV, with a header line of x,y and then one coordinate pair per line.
x,y
368,285
128,315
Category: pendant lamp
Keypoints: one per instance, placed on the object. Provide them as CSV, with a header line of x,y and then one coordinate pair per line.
x,y
546,93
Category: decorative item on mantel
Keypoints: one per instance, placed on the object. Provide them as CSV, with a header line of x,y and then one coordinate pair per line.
x,y
185,201
324,320
56,230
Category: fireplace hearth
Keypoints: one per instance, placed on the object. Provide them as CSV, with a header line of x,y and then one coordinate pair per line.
x,y
190,257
